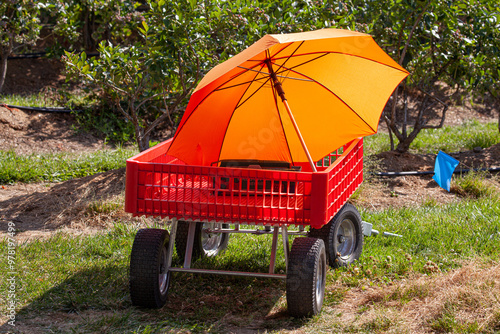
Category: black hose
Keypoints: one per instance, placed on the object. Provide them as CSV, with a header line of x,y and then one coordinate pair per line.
x,y
42,109
426,172
28,55
43,54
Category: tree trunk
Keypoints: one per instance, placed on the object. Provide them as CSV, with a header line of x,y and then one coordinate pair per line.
x,y
4,56
142,140
404,146
3,69
88,25
143,143
496,97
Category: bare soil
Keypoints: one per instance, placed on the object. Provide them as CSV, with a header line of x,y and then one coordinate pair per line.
x,y
27,132
28,76
42,208
392,161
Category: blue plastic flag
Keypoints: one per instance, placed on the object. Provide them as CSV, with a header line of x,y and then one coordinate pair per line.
x,y
443,169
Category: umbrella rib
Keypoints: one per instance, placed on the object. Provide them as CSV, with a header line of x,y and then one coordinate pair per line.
x,y
281,122
204,98
277,52
237,75
239,104
239,84
303,63
345,54
248,98
246,69
361,118
288,58
266,73
282,49
276,100
232,114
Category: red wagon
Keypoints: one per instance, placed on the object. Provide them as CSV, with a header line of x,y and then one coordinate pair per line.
x,y
207,203
285,102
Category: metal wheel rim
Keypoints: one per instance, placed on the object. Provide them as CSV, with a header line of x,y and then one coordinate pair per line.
x,y
162,271
320,282
346,238
211,241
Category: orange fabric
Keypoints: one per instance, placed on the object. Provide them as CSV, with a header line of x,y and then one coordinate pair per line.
x,y
336,83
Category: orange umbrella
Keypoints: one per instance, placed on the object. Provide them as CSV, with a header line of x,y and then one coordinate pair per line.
x,y
291,97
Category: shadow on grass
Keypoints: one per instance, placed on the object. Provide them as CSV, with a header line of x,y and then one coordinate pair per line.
x,y
97,300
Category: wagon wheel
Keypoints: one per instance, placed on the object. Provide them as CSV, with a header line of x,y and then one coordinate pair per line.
x,y
306,277
343,237
205,244
149,278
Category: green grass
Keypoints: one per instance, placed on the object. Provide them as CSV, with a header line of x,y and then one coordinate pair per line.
x,y
474,185
31,100
50,98
58,167
448,139
74,275
85,274
435,238
376,143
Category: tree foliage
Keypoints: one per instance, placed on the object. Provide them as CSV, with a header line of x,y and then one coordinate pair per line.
x,y
151,80
19,26
83,24
152,54
452,42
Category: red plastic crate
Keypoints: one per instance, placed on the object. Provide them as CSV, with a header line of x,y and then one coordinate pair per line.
x,y
161,185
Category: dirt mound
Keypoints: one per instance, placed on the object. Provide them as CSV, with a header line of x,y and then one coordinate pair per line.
x,y
488,157
402,191
47,207
13,119
411,191
393,161
28,132
33,75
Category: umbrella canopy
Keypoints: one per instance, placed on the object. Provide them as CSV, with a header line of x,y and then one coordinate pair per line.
x,y
286,97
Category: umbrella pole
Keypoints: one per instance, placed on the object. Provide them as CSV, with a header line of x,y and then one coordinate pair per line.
x,y
311,162
281,93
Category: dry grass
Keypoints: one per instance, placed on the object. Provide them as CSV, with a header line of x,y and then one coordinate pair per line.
x,y
465,300
85,205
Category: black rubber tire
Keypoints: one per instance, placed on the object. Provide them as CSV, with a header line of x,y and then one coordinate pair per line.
x,y
306,277
148,280
199,249
339,253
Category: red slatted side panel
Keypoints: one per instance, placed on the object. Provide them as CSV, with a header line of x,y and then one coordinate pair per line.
x,y
163,186
223,194
345,177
